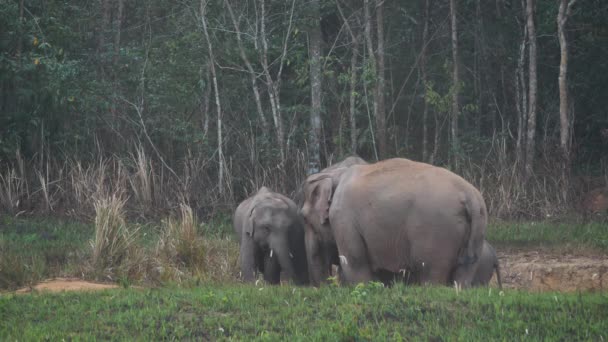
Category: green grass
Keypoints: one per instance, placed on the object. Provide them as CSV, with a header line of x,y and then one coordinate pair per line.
x,y
369,312
33,249
547,234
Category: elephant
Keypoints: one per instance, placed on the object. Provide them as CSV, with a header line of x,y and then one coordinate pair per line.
x,y
271,238
392,217
488,263
321,250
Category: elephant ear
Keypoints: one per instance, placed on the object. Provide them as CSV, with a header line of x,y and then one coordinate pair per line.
x,y
322,198
248,224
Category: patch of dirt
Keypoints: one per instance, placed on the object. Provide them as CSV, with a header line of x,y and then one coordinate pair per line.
x,y
539,270
66,284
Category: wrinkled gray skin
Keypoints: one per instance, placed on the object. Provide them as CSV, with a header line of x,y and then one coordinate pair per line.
x,y
321,249
271,237
395,217
488,263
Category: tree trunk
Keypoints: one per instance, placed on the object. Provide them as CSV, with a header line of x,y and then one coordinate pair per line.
x,y
353,82
532,89
423,59
521,105
217,99
315,88
353,97
117,31
372,61
565,8
381,82
456,87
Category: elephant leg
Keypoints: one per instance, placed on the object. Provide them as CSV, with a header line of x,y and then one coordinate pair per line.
x,y
272,269
354,264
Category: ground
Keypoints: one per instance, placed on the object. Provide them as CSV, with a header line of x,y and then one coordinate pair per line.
x,y
546,270
534,270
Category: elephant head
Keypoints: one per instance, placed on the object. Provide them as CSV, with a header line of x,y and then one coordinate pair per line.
x,y
317,192
271,238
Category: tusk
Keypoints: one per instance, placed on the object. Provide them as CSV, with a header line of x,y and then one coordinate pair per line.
x,y
291,255
402,271
271,253
343,260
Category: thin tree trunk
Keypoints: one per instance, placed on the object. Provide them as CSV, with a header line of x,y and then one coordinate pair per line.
x,y
423,60
353,97
252,75
532,89
565,8
371,58
117,31
205,102
381,82
456,84
521,97
353,81
217,99
315,87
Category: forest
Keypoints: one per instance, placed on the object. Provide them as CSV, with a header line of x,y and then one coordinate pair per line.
x,y
203,102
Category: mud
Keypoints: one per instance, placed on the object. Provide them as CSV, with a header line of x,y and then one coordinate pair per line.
x,y
539,271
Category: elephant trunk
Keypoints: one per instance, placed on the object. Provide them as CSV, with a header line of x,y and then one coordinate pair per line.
x,y
280,250
248,266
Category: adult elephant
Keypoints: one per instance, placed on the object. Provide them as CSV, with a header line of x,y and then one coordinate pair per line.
x,y
321,249
271,237
396,216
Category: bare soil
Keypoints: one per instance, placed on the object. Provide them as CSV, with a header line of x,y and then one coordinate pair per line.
x,y
542,270
66,284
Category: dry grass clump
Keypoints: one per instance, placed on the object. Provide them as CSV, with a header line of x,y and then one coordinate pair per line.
x,y
180,245
184,255
114,242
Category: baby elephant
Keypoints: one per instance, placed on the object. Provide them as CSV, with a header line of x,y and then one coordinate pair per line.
x,y
488,262
271,237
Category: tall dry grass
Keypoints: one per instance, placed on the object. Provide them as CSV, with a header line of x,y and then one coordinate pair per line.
x,y
114,242
152,191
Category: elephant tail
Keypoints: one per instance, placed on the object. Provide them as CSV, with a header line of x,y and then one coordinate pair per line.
x,y
475,230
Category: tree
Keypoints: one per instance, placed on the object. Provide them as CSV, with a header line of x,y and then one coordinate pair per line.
x,y
381,82
218,105
532,90
315,87
456,86
565,8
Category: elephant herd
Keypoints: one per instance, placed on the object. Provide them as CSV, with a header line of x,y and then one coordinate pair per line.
x,y
394,220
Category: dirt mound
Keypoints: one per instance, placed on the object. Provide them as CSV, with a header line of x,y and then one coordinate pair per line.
x,y
67,284
550,271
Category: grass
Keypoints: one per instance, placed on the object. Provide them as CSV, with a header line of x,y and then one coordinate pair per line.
x,y
546,234
212,306
33,249
239,312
